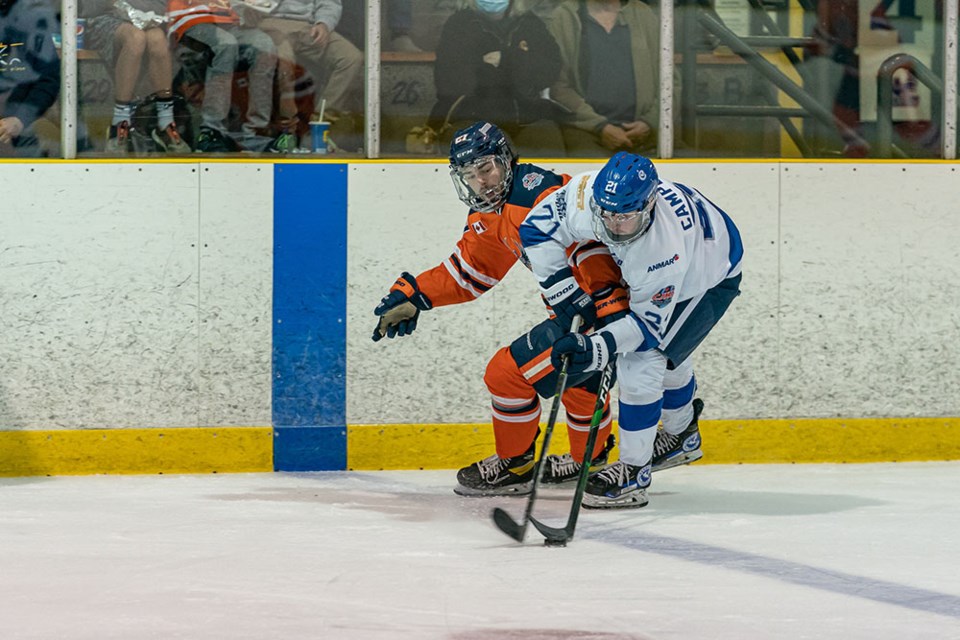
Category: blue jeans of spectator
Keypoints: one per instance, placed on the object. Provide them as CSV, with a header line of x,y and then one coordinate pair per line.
x,y
231,48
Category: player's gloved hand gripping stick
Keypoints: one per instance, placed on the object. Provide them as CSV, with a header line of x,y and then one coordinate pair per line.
x,y
400,309
503,520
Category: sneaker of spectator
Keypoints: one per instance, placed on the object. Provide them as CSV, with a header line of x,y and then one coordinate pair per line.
x,y
286,142
212,141
118,138
168,139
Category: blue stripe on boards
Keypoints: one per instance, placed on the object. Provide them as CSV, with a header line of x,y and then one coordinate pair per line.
x,y
309,316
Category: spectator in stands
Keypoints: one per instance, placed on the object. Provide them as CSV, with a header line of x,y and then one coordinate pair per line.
x,y
29,72
214,28
303,31
399,20
128,34
493,64
610,79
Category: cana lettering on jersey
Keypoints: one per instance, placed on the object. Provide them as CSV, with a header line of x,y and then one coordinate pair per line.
x,y
663,263
561,205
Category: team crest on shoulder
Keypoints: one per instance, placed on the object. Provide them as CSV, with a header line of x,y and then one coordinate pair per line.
x,y
532,181
663,297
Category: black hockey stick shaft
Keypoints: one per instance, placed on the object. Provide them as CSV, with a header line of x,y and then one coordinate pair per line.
x,y
557,534
503,520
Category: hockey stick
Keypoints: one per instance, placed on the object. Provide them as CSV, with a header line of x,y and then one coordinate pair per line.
x,y
503,520
560,535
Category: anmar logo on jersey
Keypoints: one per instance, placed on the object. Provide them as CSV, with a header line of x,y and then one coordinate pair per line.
x,y
663,263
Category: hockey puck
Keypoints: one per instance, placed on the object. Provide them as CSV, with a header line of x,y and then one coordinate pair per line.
x,y
550,542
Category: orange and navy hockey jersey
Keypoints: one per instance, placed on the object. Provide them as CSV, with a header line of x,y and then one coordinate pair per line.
x,y
490,246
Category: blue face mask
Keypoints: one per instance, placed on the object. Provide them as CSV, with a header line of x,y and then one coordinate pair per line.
x,y
492,6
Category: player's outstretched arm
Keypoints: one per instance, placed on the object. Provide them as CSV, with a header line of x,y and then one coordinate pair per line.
x,y
400,309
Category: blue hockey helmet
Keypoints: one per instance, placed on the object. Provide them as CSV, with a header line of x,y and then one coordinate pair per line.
x,y
624,196
481,166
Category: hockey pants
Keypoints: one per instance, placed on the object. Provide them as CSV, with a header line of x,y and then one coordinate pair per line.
x,y
518,374
660,383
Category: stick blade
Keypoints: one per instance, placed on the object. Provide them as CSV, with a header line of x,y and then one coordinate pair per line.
x,y
508,525
554,535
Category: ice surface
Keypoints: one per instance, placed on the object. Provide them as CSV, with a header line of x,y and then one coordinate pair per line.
x,y
721,552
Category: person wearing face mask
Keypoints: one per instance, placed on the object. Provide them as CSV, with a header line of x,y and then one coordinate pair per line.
x,y
493,63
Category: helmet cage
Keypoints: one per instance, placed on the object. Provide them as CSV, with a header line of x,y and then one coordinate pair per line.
x,y
603,217
484,199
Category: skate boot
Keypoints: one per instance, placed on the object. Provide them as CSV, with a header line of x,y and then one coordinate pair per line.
x,y
562,469
673,450
496,476
619,486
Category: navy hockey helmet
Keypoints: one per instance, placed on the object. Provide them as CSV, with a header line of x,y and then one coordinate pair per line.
x,y
481,166
624,196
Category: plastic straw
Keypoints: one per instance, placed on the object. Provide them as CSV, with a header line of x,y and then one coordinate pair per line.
x,y
323,104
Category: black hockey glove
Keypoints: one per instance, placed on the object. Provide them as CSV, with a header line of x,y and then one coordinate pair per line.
x,y
400,309
567,299
587,353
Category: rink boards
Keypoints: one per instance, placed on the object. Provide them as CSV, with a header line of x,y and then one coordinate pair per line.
x,y
193,317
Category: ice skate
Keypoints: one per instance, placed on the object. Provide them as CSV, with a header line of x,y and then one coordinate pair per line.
x,y
673,450
560,469
619,486
496,476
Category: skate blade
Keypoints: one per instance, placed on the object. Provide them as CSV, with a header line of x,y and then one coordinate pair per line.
x,y
679,460
629,502
511,490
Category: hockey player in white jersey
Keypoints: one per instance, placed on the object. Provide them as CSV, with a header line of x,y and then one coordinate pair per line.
x,y
680,256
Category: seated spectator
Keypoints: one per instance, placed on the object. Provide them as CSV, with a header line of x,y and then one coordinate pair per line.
x,y
213,28
29,73
610,77
399,21
129,34
493,64
303,31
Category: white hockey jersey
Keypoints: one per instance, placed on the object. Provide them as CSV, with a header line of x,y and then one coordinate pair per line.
x,y
690,247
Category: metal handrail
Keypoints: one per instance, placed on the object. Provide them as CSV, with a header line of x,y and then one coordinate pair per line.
x,y
777,77
885,95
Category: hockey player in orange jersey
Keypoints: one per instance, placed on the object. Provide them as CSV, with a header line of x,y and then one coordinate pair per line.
x,y
500,192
